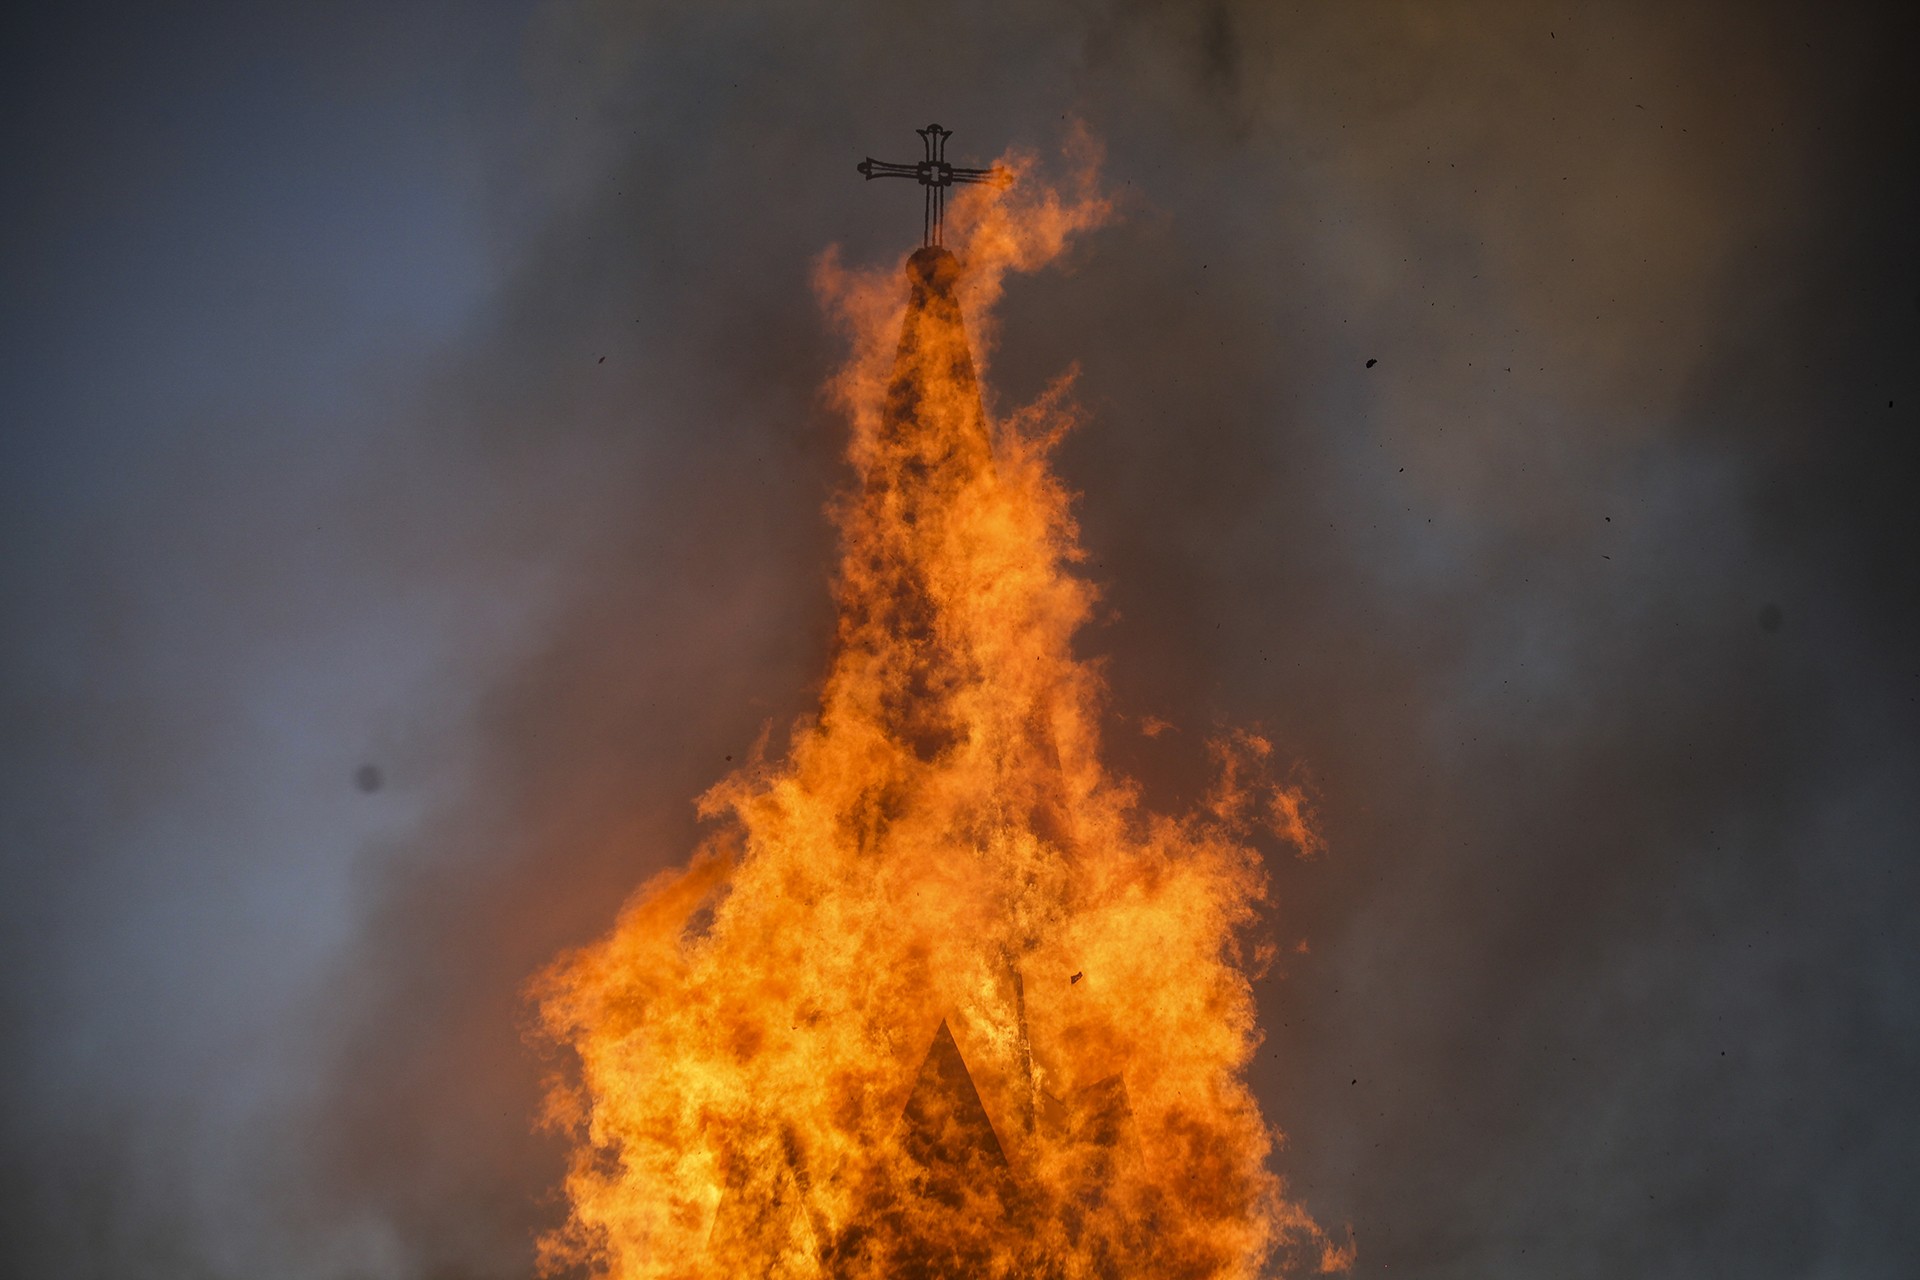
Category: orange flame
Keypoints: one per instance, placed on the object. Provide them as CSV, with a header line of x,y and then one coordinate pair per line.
x,y
941,860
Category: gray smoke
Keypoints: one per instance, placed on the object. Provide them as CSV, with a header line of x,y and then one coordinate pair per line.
x,y
413,495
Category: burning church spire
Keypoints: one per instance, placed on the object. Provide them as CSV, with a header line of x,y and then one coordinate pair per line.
x,y
940,998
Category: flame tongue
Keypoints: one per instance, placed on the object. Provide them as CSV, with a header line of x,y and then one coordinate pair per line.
x,y
938,861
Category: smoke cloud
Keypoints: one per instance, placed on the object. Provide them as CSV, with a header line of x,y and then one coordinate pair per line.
x,y
414,497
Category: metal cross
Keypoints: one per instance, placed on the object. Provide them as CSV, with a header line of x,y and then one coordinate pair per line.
x,y
936,175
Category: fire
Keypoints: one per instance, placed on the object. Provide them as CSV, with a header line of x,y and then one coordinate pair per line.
x,y
943,998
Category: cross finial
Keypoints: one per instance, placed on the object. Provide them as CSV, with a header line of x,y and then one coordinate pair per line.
x,y
936,175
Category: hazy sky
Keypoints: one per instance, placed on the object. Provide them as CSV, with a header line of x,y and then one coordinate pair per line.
x,y
367,634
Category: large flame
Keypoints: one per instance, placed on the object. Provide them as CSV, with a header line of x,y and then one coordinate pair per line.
x,y
942,999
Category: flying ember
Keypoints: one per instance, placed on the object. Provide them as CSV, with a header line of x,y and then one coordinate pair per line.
x,y
941,998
